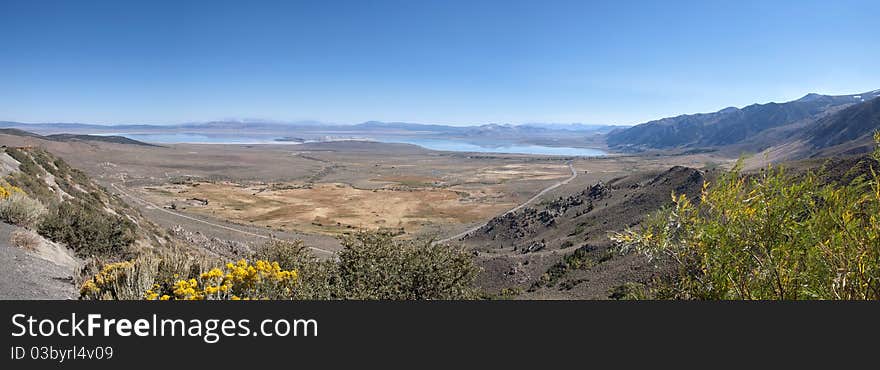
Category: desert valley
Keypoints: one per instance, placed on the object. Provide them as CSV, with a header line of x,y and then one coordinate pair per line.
x,y
536,225
229,184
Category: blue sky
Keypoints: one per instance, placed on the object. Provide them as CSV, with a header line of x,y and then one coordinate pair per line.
x,y
451,62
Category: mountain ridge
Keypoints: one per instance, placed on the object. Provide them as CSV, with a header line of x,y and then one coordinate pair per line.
x,y
731,125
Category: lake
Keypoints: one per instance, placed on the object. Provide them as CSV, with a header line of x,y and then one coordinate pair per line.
x,y
501,147
428,143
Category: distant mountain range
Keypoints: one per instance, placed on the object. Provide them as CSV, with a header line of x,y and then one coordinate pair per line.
x,y
812,125
817,121
554,134
308,126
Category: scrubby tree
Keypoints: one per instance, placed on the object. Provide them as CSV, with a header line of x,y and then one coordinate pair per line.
x,y
770,235
374,266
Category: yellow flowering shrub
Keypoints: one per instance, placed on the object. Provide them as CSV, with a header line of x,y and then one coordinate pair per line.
x,y
18,208
124,280
104,284
241,280
372,266
6,190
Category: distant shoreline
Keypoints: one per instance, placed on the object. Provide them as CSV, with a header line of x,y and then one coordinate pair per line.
x,y
438,144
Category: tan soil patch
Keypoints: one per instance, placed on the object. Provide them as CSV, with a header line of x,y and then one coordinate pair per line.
x,y
522,172
332,207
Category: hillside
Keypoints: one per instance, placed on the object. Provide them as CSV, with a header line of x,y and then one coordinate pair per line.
x,y
55,222
559,248
857,122
53,182
846,132
756,126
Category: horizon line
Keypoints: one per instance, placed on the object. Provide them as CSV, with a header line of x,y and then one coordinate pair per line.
x,y
319,122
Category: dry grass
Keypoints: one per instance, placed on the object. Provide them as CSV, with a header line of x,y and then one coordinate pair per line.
x,y
415,199
331,208
522,172
25,239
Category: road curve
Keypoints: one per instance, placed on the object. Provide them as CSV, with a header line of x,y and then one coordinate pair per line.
x,y
541,193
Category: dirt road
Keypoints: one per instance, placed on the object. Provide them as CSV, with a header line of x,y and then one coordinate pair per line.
x,y
462,234
249,232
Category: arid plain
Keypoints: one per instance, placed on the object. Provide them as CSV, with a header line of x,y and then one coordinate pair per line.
x,y
318,191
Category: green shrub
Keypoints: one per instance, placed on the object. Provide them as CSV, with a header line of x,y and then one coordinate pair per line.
x,y
89,232
291,255
317,280
374,266
769,236
504,294
629,291
580,259
20,209
26,165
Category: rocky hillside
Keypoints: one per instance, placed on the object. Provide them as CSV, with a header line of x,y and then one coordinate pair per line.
x,y
560,249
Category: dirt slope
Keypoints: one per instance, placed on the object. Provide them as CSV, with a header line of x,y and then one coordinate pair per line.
x,y
43,273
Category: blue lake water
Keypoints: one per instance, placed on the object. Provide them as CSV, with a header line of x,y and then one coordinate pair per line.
x,y
191,138
428,143
462,146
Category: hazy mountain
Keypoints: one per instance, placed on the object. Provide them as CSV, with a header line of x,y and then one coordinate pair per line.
x,y
410,127
573,126
730,125
541,134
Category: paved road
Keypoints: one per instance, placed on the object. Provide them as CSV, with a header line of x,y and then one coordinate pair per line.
x,y
121,190
462,234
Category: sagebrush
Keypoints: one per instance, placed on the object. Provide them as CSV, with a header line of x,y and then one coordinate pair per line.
x,y
370,266
88,231
18,208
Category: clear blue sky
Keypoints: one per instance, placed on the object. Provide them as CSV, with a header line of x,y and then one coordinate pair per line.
x,y
453,62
